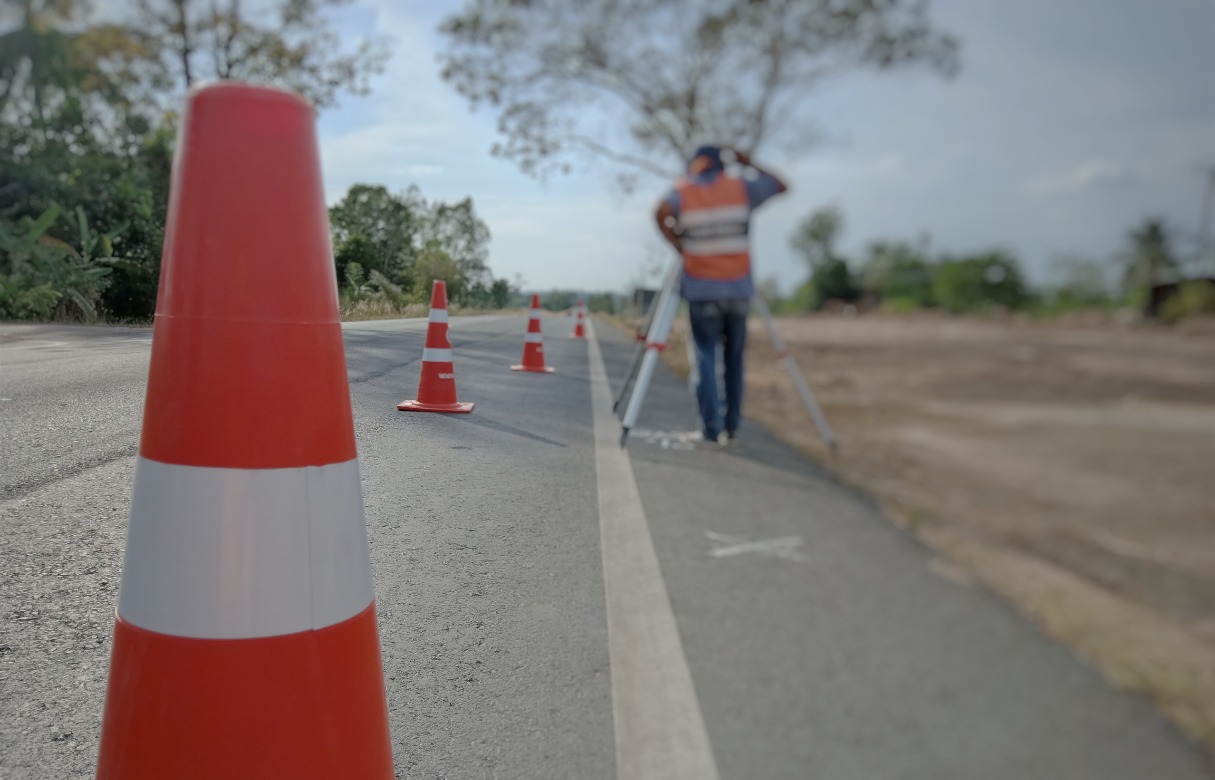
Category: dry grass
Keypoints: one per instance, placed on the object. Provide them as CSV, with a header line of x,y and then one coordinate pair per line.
x,y
378,309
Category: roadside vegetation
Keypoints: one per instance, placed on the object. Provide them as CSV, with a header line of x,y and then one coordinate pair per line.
x,y
88,120
1148,277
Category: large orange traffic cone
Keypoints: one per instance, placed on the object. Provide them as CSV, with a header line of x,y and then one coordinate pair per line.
x,y
437,386
533,343
579,327
245,641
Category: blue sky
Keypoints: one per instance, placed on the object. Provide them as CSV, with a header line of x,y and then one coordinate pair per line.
x,y
1070,122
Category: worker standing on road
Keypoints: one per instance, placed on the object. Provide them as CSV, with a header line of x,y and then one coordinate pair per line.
x,y
706,217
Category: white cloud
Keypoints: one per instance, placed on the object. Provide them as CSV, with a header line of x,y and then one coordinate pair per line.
x,y
1087,175
889,164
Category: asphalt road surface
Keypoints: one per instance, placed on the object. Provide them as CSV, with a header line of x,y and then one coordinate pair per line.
x,y
551,606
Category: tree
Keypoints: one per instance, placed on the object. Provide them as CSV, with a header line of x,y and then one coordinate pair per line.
x,y
979,282
62,79
500,293
404,242
898,271
74,141
655,77
910,281
601,303
830,278
1079,282
832,281
285,43
816,235
558,300
1150,259
433,263
84,131
462,234
376,229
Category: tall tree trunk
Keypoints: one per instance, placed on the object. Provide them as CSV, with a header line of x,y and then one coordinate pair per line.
x,y
187,47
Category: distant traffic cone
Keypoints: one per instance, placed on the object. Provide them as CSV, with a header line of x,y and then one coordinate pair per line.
x,y
579,327
245,640
437,386
533,343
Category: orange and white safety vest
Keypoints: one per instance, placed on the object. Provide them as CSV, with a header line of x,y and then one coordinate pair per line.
x,y
714,217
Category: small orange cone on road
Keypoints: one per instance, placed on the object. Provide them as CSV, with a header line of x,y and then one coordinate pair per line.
x,y
533,343
437,386
245,640
579,327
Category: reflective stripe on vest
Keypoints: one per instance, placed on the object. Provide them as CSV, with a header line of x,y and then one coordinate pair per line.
x,y
713,217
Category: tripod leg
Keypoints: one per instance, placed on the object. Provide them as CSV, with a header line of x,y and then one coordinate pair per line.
x,y
630,377
799,379
655,343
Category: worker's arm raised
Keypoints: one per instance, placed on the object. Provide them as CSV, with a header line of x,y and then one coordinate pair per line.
x,y
745,159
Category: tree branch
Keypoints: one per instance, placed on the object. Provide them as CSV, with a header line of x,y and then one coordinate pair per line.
x,y
186,48
624,159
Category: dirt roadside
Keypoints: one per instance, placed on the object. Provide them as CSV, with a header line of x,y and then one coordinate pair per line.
x,y
1069,467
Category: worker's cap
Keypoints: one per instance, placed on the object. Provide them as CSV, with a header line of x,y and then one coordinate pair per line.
x,y
705,159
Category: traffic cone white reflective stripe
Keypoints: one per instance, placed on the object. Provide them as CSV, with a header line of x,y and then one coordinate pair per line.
x,y
245,640
437,385
299,534
533,343
432,355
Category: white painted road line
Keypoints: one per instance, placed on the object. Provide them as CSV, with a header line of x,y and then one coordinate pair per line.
x,y
660,732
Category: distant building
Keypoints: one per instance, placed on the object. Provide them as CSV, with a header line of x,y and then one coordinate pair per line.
x,y
1158,294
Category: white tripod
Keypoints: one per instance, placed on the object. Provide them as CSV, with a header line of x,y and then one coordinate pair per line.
x,y
659,318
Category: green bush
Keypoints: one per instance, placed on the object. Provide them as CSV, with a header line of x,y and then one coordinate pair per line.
x,y
901,305
803,299
601,303
558,300
897,269
46,278
21,302
979,283
910,280
832,280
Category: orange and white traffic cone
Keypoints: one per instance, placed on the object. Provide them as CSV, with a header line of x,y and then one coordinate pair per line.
x,y
579,326
245,641
437,386
533,343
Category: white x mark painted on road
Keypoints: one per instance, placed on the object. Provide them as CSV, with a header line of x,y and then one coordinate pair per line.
x,y
780,547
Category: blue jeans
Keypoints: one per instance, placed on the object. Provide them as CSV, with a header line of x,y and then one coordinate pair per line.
x,y
713,323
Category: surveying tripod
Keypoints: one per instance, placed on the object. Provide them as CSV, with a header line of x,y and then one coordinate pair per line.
x,y
652,340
